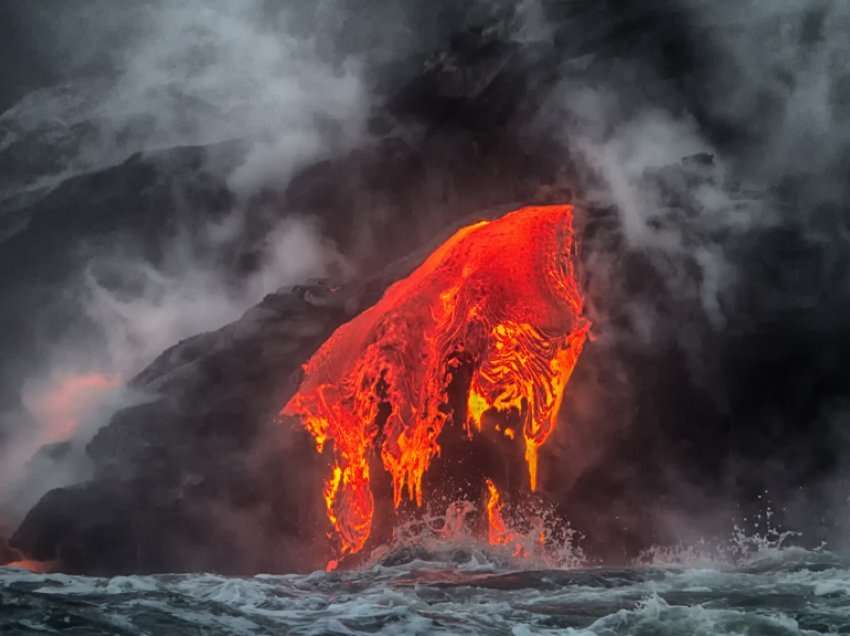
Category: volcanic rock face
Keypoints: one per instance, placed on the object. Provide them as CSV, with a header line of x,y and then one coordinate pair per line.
x,y
203,476
192,478
674,415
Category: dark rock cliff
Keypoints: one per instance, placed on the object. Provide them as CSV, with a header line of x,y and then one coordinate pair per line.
x,y
678,432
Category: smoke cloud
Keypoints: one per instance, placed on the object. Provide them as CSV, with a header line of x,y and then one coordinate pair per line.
x,y
727,176
153,77
160,75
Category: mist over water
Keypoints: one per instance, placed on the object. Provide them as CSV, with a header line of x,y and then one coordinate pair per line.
x,y
193,75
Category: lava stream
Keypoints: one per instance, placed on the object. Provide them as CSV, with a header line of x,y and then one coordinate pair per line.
x,y
499,299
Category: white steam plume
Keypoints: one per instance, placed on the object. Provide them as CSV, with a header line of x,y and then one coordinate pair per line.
x,y
192,73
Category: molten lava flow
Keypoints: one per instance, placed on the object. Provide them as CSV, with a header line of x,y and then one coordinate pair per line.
x,y
500,298
38,567
497,530
69,401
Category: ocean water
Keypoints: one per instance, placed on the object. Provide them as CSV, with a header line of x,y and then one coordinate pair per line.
x,y
462,589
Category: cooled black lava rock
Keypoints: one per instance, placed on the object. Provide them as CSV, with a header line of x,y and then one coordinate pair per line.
x,y
202,476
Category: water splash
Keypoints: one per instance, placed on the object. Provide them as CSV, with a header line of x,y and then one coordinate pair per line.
x,y
534,537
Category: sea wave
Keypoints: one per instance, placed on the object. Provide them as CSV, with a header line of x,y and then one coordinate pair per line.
x,y
453,589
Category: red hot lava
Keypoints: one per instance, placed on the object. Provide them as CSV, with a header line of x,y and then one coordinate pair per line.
x,y
500,296
69,401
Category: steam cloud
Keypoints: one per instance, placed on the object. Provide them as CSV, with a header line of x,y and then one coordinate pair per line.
x,y
161,75
774,77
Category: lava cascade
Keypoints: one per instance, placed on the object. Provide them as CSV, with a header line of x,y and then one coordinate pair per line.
x,y
497,529
500,298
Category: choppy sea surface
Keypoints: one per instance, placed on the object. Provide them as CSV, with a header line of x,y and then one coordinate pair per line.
x,y
458,590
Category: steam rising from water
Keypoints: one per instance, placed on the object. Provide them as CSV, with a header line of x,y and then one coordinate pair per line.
x,y
67,408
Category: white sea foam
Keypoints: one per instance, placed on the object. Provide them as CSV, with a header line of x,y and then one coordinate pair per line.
x,y
457,586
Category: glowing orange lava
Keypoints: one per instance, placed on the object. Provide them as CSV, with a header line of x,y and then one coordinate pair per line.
x,y
39,567
500,297
68,401
497,530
